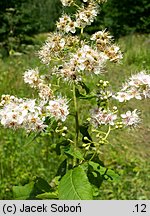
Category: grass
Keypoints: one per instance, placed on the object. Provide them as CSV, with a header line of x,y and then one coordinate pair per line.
x,y
128,151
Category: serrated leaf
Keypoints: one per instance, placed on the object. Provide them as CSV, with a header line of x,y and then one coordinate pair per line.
x,y
23,192
48,195
75,186
75,153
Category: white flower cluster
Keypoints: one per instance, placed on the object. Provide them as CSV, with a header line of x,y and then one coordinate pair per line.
x,y
45,92
138,87
104,43
66,2
102,117
21,113
87,15
29,114
58,108
67,72
102,38
54,46
130,118
86,59
106,117
84,16
33,78
114,53
66,24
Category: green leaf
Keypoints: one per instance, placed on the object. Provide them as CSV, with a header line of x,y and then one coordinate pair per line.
x,y
31,190
62,168
42,185
97,167
78,94
75,153
85,166
84,131
94,176
60,144
84,86
83,96
112,175
96,191
107,173
23,192
47,195
75,186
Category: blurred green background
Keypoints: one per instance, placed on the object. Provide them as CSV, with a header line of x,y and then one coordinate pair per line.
x,y
23,29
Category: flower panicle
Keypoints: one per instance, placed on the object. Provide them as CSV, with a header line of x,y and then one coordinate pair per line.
x,y
31,114
131,118
102,117
33,78
137,86
85,16
104,43
54,47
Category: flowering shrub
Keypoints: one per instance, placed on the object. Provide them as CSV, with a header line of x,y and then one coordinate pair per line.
x,y
73,57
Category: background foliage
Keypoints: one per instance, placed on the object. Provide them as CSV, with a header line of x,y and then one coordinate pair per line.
x,y
124,17
20,19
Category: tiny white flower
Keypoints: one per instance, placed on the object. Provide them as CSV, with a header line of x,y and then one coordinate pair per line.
x,y
67,2
71,27
138,87
122,96
135,93
130,118
57,108
45,92
86,15
31,77
102,117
